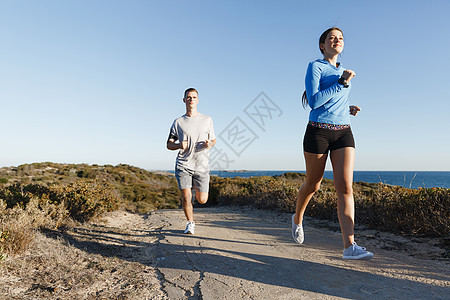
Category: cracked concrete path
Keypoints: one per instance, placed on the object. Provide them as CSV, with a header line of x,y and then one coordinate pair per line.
x,y
243,253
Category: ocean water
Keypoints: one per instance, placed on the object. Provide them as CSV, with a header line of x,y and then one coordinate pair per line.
x,y
408,179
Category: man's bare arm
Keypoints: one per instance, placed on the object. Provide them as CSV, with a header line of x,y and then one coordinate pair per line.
x,y
210,143
173,144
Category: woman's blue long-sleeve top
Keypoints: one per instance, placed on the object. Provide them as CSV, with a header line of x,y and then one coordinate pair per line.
x,y
327,98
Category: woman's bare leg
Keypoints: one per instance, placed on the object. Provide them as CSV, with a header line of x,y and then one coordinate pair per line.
x,y
343,161
315,166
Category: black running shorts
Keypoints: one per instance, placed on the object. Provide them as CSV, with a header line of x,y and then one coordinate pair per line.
x,y
321,140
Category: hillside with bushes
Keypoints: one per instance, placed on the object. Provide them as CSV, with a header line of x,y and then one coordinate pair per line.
x,y
44,196
138,190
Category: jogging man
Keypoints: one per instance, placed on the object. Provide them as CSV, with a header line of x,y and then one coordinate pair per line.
x,y
193,135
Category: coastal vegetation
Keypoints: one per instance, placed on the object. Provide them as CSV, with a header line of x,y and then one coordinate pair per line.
x,y
50,196
419,212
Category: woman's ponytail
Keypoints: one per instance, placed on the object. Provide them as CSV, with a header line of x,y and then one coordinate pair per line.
x,y
304,100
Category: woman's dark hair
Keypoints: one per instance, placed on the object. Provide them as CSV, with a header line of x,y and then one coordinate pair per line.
x,y
321,41
324,36
304,100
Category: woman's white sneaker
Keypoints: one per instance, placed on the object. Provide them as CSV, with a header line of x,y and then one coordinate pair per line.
x,y
297,232
357,252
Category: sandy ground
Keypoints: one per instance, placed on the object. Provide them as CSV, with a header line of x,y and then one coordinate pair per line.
x,y
236,253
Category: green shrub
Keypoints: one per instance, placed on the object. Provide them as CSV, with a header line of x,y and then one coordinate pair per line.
x,y
423,211
83,199
87,199
261,192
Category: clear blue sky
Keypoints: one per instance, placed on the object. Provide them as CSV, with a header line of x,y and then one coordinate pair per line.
x,y
102,81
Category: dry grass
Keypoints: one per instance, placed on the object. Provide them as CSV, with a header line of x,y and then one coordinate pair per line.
x,y
18,226
24,209
52,268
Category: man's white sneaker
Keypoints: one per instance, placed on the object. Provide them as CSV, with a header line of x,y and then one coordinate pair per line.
x,y
190,228
357,252
297,232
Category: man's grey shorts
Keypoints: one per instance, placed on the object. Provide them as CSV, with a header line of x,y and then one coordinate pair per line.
x,y
190,179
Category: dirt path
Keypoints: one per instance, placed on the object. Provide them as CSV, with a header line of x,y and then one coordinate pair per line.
x,y
236,253
248,254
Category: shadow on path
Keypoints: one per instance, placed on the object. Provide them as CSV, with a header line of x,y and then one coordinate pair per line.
x,y
246,265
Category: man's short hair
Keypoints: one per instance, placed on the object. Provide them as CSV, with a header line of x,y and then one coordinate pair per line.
x,y
189,90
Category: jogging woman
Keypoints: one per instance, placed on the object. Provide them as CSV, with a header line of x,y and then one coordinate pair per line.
x,y
328,133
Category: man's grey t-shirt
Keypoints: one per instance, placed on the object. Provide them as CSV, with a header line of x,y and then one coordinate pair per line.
x,y
195,130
